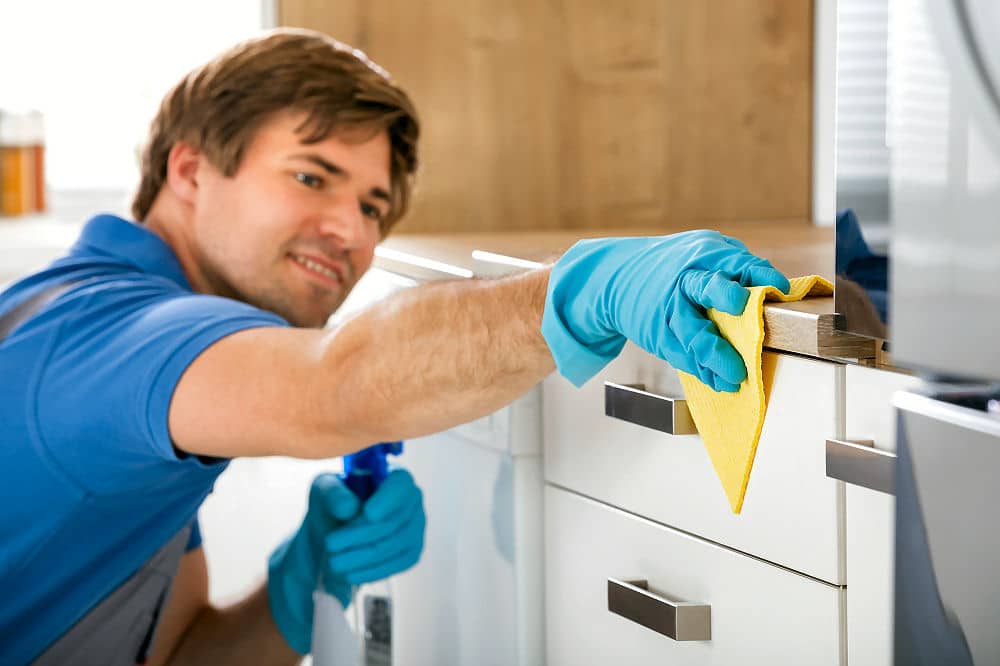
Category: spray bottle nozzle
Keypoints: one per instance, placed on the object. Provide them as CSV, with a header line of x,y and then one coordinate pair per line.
x,y
365,470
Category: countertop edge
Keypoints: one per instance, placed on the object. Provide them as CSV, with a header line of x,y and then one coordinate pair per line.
x,y
786,329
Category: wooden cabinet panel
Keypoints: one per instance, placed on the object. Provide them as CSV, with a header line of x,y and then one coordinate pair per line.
x,y
613,127
587,114
741,108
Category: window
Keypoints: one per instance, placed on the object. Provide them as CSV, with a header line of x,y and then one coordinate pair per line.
x,y
98,69
862,94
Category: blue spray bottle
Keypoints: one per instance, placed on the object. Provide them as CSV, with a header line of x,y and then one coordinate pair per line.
x,y
364,471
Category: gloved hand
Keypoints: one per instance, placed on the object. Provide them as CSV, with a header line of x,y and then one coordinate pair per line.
x,y
346,544
654,292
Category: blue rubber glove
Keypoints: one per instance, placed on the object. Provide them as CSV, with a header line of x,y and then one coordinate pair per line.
x,y
653,291
382,537
385,539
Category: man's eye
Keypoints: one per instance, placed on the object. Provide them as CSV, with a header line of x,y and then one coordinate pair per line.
x,y
371,212
309,180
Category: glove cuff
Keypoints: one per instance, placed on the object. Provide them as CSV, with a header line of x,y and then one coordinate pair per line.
x,y
576,361
298,637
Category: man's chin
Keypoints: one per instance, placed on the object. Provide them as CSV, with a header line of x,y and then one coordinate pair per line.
x,y
310,312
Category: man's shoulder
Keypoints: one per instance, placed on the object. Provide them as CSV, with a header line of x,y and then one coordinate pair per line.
x,y
120,306
76,276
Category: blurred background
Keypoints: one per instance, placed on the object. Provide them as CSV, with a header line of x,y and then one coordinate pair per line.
x,y
97,70
79,84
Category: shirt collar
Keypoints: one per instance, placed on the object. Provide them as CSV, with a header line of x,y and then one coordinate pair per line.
x,y
132,243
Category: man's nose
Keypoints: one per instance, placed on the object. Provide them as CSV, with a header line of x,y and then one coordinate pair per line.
x,y
343,219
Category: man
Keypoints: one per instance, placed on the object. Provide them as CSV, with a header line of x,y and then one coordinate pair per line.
x,y
139,364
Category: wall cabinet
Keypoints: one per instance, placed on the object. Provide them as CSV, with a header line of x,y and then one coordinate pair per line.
x,y
584,114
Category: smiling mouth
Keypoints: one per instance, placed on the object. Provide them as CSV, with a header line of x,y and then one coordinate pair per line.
x,y
328,274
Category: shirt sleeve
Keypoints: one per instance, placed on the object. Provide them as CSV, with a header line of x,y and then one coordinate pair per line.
x,y
194,538
104,395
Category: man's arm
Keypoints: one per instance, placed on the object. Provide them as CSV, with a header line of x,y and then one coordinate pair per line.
x,y
419,362
191,631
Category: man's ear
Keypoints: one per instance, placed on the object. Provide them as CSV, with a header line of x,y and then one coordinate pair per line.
x,y
183,165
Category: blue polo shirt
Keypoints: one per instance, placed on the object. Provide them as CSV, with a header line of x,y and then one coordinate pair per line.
x,y
91,485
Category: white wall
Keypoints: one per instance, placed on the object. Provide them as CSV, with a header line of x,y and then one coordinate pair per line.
x,y
98,69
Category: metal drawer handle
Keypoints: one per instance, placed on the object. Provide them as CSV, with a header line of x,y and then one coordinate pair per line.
x,y
679,620
632,403
861,464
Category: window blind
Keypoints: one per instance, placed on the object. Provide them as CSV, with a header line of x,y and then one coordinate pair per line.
x,y
862,158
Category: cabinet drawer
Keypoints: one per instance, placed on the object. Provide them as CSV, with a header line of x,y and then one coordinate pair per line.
x,y
792,511
871,519
759,613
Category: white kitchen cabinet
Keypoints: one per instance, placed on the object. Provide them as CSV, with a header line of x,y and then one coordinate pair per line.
x,y
871,519
759,613
476,596
792,514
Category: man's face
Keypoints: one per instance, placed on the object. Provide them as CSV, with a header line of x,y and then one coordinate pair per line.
x,y
296,226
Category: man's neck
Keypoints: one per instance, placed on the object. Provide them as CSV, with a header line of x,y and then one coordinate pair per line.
x,y
168,219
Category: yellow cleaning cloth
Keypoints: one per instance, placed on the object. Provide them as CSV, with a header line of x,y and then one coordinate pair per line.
x,y
730,423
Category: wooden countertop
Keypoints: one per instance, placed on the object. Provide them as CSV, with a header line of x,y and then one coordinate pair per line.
x,y
806,327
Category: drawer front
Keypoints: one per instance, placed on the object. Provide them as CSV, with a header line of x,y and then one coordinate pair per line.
x,y
871,519
791,512
759,613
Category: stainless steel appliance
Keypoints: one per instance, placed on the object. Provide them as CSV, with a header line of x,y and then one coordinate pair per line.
x,y
918,264
918,163
945,195
947,582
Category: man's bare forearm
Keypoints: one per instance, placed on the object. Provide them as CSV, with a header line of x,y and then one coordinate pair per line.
x,y
244,633
436,356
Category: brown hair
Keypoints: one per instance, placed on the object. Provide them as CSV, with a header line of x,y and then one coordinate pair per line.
x,y
219,107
